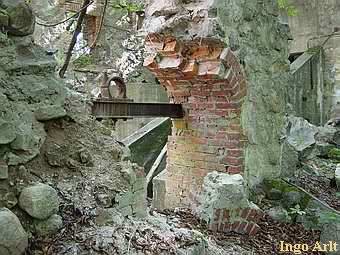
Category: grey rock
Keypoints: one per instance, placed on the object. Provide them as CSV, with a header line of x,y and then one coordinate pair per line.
x,y
40,201
7,132
328,134
301,133
291,198
85,157
274,194
54,155
337,176
21,18
10,200
3,170
48,226
331,233
290,160
322,149
13,238
49,112
279,214
220,191
109,216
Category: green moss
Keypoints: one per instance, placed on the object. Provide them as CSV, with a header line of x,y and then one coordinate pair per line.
x,y
305,201
334,154
314,50
279,185
83,61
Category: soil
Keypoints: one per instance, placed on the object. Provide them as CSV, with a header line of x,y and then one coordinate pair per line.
x,y
266,241
317,177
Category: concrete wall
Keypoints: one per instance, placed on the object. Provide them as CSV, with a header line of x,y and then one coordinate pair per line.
x,y
310,27
307,88
143,93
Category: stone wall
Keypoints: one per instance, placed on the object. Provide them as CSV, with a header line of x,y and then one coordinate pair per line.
x,y
319,19
230,74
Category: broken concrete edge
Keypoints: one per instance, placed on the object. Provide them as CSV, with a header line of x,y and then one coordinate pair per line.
x,y
156,164
140,133
302,60
146,143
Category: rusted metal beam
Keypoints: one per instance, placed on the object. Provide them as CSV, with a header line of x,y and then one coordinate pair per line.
x,y
108,109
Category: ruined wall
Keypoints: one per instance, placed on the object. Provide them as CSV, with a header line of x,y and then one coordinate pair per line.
x,y
226,63
318,20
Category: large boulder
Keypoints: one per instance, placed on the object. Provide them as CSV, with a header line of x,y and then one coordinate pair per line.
x,y
40,201
13,238
221,191
21,20
224,204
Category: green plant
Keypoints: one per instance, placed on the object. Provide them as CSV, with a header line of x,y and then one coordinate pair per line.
x,y
329,217
83,61
288,7
334,154
128,6
296,211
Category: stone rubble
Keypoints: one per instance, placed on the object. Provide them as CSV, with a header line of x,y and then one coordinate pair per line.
x,y
13,238
40,201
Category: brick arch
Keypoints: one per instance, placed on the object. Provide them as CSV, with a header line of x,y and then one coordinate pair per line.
x,y
209,82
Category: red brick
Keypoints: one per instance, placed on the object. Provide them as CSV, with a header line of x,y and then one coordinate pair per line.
x,y
150,62
217,214
253,230
234,169
242,228
226,228
181,93
171,47
213,227
190,69
226,214
235,226
245,213
226,106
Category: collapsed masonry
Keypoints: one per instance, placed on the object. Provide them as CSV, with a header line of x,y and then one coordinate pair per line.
x,y
233,112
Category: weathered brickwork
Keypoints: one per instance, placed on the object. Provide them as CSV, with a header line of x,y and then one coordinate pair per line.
x,y
208,81
241,221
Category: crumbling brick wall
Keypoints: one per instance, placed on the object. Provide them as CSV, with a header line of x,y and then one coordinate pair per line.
x,y
209,82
